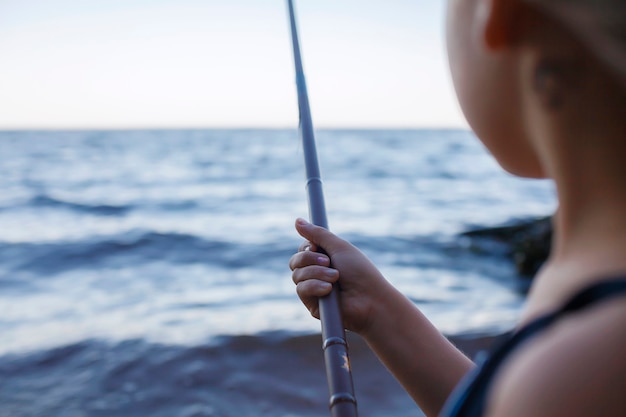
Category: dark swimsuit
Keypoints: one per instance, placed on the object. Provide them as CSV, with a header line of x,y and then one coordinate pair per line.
x,y
469,398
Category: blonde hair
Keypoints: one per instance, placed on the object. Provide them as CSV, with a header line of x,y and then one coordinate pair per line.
x,y
600,24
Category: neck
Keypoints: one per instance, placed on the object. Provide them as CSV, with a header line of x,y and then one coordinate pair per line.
x,y
582,149
588,244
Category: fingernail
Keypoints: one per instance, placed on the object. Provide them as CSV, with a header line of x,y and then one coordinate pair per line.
x,y
302,222
322,260
331,272
325,286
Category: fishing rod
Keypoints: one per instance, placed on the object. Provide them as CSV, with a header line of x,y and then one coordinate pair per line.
x,y
335,347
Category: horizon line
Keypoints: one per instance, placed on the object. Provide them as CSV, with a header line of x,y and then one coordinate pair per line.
x,y
225,127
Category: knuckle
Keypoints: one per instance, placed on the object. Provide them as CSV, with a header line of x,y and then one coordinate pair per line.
x,y
301,290
297,277
293,262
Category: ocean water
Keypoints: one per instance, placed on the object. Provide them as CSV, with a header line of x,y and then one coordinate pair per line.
x,y
135,262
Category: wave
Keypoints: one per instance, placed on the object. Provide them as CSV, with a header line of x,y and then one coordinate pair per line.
x,y
140,248
267,374
136,247
44,201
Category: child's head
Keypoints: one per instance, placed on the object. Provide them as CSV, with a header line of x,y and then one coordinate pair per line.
x,y
502,52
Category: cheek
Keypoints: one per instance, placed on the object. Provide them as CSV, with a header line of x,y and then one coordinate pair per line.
x,y
457,31
491,101
462,54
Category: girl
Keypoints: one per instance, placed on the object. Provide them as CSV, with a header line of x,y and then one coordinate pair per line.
x,y
543,85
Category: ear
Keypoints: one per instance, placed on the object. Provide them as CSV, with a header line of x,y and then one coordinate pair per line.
x,y
501,22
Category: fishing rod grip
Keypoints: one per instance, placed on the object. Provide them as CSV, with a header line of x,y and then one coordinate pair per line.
x,y
342,401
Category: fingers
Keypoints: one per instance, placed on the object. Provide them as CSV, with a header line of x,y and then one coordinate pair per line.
x,y
307,246
310,291
315,272
313,277
307,258
312,273
309,265
318,236
313,289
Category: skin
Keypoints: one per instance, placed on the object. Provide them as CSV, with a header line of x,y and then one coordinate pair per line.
x,y
378,312
571,130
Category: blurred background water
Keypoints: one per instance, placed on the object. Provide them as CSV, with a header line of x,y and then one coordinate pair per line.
x,y
129,241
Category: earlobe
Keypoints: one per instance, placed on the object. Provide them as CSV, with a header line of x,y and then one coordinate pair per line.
x,y
499,22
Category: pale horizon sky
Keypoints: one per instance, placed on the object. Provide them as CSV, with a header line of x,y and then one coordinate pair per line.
x,y
223,64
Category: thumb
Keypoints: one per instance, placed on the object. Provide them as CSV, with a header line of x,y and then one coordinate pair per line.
x,y
319,236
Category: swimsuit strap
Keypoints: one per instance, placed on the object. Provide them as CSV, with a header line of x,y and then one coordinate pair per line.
x,y
468,400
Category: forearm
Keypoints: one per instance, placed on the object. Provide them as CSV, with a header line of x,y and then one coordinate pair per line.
x,y
415,352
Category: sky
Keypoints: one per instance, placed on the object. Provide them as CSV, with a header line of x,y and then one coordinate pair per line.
x,y
223,64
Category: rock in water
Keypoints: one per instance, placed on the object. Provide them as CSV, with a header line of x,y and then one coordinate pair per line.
x,y
528,242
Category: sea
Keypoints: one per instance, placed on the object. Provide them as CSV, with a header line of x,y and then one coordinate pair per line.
x,y
145,272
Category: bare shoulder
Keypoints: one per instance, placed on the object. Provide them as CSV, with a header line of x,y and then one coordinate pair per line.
x,y
576,368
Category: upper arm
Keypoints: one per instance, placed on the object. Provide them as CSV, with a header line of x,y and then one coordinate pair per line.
x,y
577,368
